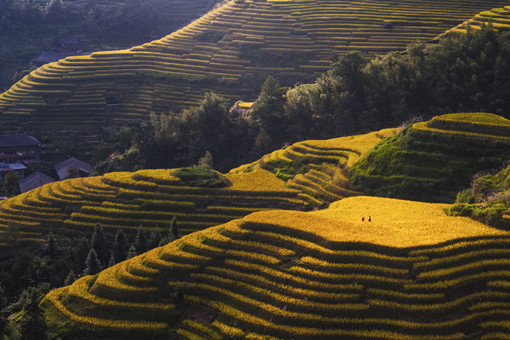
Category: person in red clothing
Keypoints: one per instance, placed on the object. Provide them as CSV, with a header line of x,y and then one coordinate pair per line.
x,y
362,218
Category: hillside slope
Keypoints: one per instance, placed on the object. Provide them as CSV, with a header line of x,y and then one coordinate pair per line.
x,y
433,160
411,272
29,28
499,18
229,50
319,168
125,200
487,199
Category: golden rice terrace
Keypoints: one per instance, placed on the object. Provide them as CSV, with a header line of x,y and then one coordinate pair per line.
x,y
125,200
223,51
499,18
411,272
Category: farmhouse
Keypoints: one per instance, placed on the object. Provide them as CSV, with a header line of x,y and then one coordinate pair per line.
x,y
16,167
73,167
33,181
19,147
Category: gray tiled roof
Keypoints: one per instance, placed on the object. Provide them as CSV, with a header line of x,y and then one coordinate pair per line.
x,y
33,181
63,167
18,140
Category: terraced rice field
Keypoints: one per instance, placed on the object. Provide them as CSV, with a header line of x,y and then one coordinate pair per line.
x,y
148,198
434,160
220,51
499,18
412,272
476,125
322,165
151,198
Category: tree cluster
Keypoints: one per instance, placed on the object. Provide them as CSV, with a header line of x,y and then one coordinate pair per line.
x,y
60,261
462,73
206,134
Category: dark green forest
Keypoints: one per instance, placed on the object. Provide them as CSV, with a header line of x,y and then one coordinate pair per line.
x,y
26,275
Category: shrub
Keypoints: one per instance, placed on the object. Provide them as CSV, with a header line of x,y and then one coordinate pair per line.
x,y
210,36
200,177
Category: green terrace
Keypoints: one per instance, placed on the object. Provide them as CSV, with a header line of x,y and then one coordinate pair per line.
x,y
319,168
434,159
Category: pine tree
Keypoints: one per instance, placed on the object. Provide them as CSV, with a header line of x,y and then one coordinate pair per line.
x,y
11,183
11,236
206,161
32,325
98,243
79,253
3,321
51,245
154,239
111,263
92,263
141,240
132,252
174,230
120,247
268,111
70,278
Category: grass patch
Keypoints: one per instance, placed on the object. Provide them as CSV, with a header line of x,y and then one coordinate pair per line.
x,y
210,36
200,177
427,165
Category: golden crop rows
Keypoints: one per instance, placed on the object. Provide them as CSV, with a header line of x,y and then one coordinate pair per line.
x,y
320,29
327,289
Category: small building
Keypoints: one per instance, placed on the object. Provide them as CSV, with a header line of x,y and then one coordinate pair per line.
x,y
33,181
19,147
387,25
73,167
16,167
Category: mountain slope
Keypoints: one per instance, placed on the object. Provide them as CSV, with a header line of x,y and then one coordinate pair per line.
x,y
29,28
125,200
411,272
319,168
487,200
229,50
434,160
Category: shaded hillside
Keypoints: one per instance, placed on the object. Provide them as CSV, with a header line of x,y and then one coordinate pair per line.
x,y
432,161
126,200
487,200
228,50
63,28
411,272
